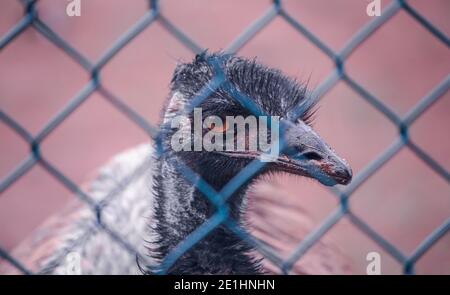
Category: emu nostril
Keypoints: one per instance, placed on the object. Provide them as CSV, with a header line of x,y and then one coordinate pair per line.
x,y
312,156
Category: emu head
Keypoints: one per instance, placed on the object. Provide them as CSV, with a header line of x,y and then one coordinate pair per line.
x,y
304,152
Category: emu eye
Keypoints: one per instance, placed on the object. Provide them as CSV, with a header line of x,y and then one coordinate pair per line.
x,y
219,128
312,156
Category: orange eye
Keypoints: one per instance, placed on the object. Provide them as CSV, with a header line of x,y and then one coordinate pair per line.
x,y
219,129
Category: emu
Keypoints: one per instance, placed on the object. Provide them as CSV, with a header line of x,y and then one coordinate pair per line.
x,y
156,210
180,205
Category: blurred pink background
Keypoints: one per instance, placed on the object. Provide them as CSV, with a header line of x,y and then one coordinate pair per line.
x,y
404,201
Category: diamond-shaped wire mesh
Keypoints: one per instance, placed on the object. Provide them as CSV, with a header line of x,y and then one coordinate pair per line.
x,y
221,217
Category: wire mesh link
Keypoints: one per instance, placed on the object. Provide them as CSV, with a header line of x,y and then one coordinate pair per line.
x,y
218,199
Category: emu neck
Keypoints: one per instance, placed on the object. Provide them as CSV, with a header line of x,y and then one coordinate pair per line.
x,y
181,208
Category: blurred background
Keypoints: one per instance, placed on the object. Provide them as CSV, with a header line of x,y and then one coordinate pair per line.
x,y
400,63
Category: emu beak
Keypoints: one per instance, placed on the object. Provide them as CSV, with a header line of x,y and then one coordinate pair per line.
x,y
309,155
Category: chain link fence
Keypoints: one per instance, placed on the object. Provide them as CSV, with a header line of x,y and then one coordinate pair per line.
x,y
221,216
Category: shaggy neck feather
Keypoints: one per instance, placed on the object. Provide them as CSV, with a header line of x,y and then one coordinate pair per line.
x,y
181,208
